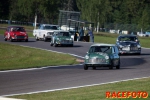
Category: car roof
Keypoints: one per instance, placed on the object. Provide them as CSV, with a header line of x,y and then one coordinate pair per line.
x,y
103,44
49,25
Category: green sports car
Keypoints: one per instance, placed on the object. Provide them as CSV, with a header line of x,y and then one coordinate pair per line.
x,y
102,55
61,38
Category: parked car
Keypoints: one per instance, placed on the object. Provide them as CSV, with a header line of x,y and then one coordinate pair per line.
x,y
13,33
102,55
44,32
61,38
142,34
128,44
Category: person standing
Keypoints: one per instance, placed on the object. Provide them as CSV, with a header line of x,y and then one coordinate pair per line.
x,y
81,33
90,33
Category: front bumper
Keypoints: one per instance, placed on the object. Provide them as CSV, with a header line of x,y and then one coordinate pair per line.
x,y
19,37
97,65
129,50
65,42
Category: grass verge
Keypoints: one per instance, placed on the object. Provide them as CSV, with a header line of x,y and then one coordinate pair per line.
x,y
93,92
18,57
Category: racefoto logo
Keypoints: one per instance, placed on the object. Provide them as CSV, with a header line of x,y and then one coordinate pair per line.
x,y
127,94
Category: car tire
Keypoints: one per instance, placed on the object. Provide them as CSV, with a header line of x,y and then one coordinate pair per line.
x,y
11,40
36,38
55,45
94,67
118,66
51,44
26,40
85,67
112,65
5,39
44,38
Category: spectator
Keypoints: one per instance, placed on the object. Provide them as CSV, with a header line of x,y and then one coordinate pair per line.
x,y
81,33
90,33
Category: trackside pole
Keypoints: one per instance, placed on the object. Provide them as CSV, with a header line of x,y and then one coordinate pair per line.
x,y
35,21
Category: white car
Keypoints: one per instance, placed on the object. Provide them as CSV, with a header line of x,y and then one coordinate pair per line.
x,y
44,32
143,34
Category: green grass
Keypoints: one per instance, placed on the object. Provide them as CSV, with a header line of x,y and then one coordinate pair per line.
x,y
111,38
93,92
18,57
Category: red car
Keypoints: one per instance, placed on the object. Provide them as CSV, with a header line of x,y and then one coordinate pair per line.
x,y
15,33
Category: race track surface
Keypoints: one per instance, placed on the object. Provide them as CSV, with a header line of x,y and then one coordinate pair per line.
x,y
49,78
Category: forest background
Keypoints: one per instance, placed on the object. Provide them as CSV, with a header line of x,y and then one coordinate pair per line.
x,y
121,14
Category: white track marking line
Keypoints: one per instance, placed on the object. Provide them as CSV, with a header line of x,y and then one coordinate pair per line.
x,y
46,66
75,87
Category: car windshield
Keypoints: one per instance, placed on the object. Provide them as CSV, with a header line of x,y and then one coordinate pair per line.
x,y
51,27
127,39
105,49
63,34
21,29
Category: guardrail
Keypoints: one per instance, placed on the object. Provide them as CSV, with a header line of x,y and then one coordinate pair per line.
x,y
17,22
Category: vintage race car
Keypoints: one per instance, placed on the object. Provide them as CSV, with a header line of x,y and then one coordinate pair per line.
x,y
15,33
102,55
44,32
128,44
61,38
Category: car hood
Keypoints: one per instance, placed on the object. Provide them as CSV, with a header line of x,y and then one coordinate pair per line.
x,y
20,33
98,55
128,43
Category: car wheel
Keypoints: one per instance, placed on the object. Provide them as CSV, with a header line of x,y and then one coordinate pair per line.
x,y
36,38
94,67
85,67
55,45
11,40
51,44
5,39
118,66
112,65
44,38
26,40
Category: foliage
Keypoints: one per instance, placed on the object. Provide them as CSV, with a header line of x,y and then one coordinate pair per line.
x,y
97,11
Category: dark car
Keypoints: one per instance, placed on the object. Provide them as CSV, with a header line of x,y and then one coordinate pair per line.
x,y
15,33
128,44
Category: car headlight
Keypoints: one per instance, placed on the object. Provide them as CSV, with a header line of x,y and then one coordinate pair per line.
x,y
86,57
57,38
138,46
106,57
120,46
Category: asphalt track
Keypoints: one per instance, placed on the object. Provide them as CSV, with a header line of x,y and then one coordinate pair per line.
x,y
50,78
